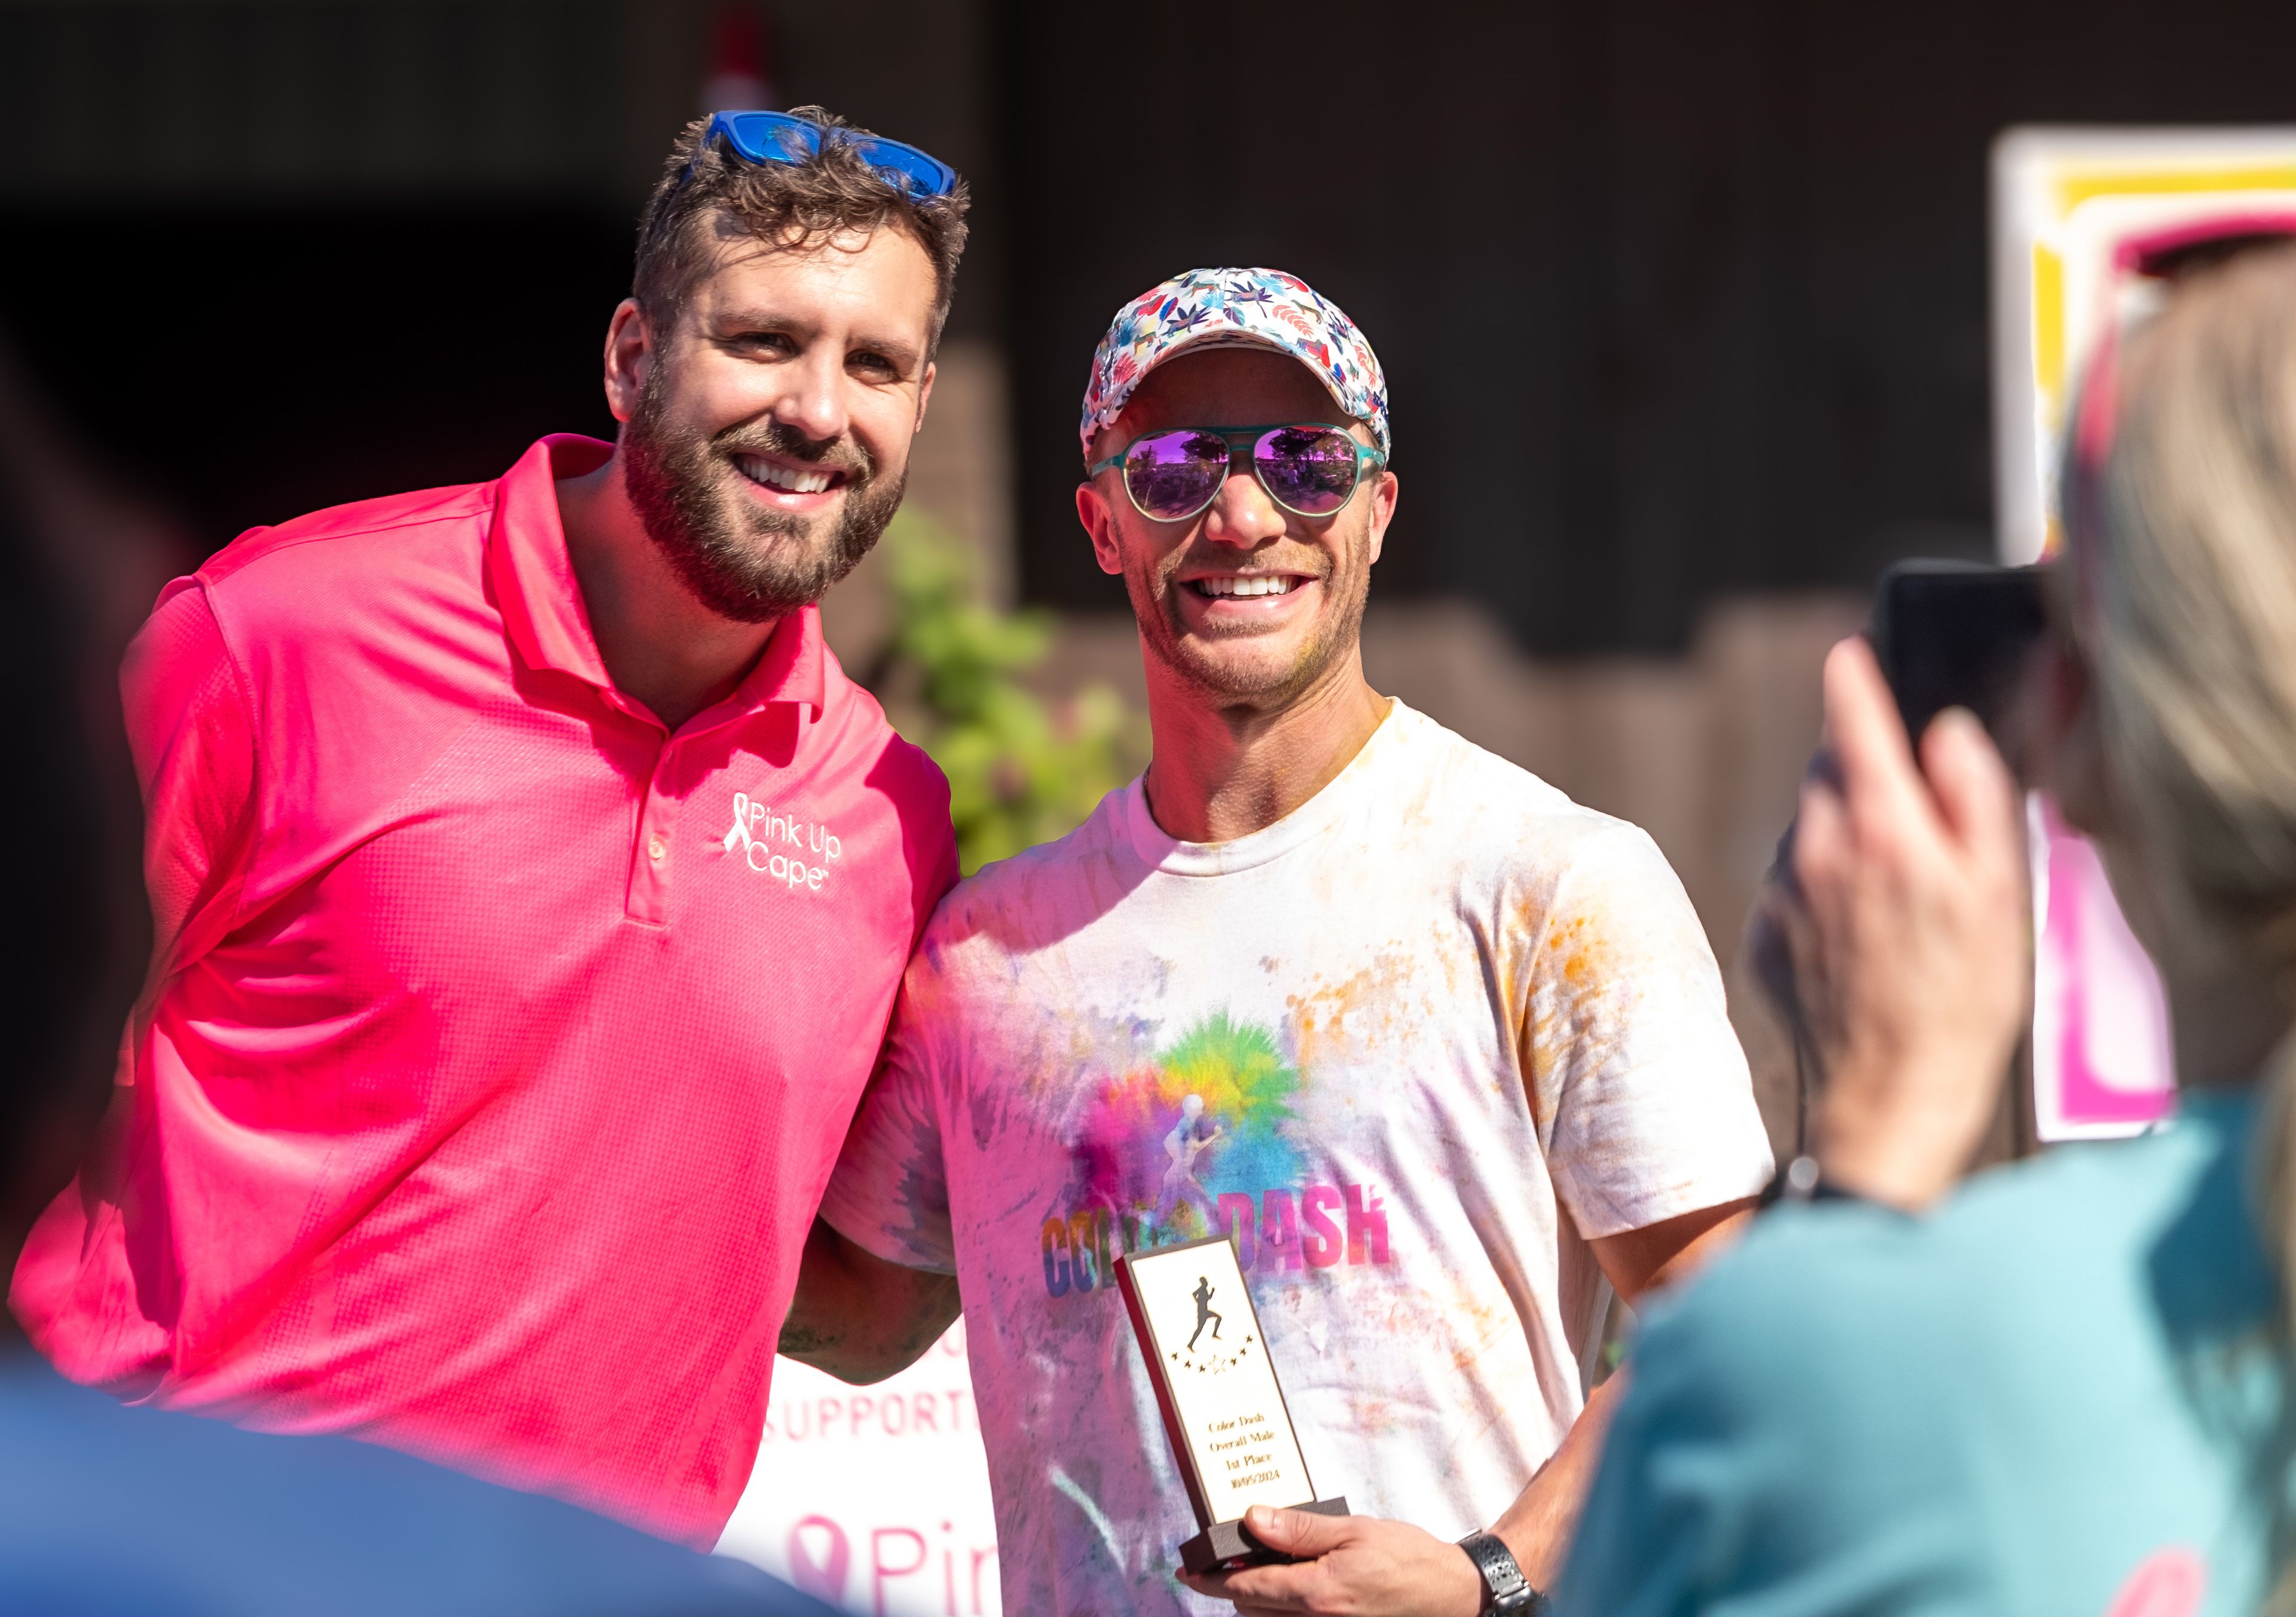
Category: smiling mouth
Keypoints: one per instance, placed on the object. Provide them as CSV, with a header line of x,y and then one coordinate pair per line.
x,y
1232,586
787,479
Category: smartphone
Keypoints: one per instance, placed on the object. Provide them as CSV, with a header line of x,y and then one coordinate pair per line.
x,y
1956,634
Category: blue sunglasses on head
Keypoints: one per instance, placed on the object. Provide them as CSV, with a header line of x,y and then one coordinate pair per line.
x,y
777,137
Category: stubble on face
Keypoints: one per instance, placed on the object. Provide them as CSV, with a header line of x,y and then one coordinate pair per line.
x,y
1238,679
746,563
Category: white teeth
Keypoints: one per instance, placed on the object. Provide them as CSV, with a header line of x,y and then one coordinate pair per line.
x,y
1270,584
774,476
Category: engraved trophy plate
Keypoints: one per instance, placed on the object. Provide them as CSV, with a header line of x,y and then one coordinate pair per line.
x,y
1216,1387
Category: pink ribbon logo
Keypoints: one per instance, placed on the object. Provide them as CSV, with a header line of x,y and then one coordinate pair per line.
x,y
826,1577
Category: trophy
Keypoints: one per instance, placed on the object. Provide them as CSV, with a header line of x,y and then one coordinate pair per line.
x,y
1217,1390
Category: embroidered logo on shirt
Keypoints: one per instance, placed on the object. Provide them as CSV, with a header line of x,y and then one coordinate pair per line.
x,y
782,847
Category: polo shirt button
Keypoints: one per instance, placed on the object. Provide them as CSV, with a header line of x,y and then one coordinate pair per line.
x,y
656,847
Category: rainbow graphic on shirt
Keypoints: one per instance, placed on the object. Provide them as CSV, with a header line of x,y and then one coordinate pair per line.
x,y
1203,1137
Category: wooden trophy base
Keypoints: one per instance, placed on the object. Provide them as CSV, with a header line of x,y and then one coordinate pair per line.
x,y
1224,1547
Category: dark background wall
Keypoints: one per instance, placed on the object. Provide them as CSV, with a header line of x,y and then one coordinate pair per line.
x,y
262,255
1677,297
1680,298
243,363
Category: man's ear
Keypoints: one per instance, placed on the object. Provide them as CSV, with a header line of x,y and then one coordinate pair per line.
x,y
1382,510
629,355
925,393
2067,757
1099,522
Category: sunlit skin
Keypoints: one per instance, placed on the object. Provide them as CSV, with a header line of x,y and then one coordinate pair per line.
x,y
1256,703
832,341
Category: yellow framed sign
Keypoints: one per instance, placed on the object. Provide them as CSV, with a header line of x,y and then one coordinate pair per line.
x,y
2070,207
2063,200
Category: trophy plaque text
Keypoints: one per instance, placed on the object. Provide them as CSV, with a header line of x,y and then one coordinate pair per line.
x,y
1217,1388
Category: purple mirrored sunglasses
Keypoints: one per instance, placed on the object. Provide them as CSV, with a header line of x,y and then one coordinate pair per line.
x,y
1307,468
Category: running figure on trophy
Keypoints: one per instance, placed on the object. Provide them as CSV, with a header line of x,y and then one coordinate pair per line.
x,y
1206,1314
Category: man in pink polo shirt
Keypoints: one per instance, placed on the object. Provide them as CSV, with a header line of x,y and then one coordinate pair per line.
x,y
532,886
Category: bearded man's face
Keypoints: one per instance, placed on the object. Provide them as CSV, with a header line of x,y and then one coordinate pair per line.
x,y
769,445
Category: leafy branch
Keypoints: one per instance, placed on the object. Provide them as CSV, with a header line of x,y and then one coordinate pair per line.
x,y
1022,768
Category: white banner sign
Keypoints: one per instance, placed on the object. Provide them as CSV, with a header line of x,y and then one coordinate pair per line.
x,y
875,1498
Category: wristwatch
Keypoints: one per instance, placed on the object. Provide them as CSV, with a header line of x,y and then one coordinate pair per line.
x,y
1803,1181
1505,1588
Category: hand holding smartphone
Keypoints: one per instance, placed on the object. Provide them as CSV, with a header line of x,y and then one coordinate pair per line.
x,y
1957,634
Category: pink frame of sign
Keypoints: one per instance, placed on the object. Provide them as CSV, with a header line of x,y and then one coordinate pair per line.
x,y
2103,1066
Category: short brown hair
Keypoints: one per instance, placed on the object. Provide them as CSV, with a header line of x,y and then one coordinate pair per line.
x,y
784,205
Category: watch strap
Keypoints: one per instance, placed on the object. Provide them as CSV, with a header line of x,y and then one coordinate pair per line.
x,y
1803,1181
1505,1588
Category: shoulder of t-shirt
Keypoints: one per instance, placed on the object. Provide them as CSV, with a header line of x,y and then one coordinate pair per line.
x,y
1492,810
1013,905
2086,1218
1839,1303
282,566
1805,1396
1816,1322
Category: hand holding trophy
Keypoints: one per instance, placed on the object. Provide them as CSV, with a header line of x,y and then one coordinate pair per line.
x,y
1216,1387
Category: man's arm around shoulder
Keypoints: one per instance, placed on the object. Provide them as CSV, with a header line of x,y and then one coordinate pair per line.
x,y
858,1317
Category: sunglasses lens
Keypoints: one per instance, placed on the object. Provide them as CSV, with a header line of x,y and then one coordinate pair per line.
x,y
1309,470
773,137
906,169
1173,474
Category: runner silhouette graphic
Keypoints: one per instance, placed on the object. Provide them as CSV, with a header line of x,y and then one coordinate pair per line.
x,y
1184,1146
1205,1313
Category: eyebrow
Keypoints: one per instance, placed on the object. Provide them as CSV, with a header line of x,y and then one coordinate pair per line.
x,y
732,321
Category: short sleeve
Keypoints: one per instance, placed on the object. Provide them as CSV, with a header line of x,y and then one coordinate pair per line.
x,y
1637,1076
889,1190
192,732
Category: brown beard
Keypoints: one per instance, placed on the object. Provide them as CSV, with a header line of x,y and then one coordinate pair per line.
x,y
743,562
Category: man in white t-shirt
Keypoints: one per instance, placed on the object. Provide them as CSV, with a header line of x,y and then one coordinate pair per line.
x,y
1441,1049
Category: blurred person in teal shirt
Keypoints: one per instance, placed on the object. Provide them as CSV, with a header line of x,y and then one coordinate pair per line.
x,y
2064,1388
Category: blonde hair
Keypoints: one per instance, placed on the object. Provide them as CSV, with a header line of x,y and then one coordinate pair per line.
x,y
2185,580
2183,584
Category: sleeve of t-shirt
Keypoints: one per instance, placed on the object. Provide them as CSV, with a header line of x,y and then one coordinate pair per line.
x,y
1638,1081
889,1192
191,730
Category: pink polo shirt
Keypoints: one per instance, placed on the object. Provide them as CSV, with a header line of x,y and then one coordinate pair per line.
x,y
501,1042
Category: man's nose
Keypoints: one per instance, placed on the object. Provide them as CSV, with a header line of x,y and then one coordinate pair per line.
x,y
1243,515
813,402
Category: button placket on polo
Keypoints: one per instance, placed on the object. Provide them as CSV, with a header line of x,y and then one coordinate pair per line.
x,y
653,859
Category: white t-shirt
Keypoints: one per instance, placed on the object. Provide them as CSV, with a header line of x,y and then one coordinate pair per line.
x,y
1413,1043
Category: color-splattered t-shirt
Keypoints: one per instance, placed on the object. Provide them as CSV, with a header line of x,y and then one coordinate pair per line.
x,y
1413,1045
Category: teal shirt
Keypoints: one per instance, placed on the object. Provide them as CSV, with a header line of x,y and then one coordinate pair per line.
x,y
2066,1375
